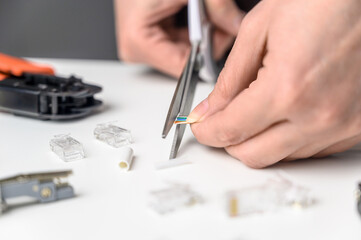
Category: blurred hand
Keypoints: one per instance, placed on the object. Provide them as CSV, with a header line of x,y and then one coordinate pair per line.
x,y
146,31
291,87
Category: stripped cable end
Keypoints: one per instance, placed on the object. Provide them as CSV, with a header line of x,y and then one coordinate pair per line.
x,y
182,120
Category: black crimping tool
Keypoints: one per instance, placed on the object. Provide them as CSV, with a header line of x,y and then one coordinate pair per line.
x,y
32,90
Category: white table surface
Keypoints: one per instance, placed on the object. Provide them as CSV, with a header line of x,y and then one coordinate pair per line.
x,y
111,204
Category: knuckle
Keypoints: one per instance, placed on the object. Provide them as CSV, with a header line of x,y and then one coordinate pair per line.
x,y
297,99
323,120
247,159
293,93
289,82
346,119
329,117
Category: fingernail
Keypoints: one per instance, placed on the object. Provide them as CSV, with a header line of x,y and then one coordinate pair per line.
x,y
198,112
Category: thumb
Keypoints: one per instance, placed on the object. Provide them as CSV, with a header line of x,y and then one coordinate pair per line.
x,y
225,15
240,70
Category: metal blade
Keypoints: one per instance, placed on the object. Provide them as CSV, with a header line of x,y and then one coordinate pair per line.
x,y
178,135
190,89
176,102
186,105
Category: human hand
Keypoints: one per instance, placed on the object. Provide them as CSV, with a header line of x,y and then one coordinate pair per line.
x,y
291,86
146,31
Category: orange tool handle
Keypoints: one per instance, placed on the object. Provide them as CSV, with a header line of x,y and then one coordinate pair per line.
x,y
17,66
2,76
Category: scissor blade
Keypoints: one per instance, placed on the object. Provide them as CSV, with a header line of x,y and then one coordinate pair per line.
x,y
178,135
190,88
188,96
175,105
180,129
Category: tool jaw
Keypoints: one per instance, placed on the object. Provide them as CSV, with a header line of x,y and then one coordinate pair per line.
x,y
3,205
43,187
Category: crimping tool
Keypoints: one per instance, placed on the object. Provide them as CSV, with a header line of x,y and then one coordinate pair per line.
x,y
32,90
43,187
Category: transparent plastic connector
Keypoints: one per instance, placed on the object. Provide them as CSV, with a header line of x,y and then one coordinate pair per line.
x,y
276,194
172,198
113,135
67,148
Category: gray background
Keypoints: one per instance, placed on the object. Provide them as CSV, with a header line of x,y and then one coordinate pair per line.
x,y
58,28
62,28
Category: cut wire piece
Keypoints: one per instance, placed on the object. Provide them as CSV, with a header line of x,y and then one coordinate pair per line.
x,y
174,197
181,120
276,194
67,148
113,135
171,163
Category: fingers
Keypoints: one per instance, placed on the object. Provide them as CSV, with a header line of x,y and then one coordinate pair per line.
x,y
325,144
269,147
225,14
339,147
231,114
240,69
311,148
174,63
250,113
142,38
222,42
164,54
157,10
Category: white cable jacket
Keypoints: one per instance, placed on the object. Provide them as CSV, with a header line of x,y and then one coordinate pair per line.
x,y
126,158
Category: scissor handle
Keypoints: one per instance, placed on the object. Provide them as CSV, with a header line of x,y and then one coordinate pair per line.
x,y
196,11
200,31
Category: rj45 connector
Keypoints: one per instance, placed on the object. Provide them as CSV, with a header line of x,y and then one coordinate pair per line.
x,y
113,135
67,148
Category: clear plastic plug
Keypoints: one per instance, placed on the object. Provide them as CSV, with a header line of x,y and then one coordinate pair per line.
x,y
276,194
67,148
172,198
113,135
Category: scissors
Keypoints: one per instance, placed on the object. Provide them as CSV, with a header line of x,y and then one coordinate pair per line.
x,y
200,65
